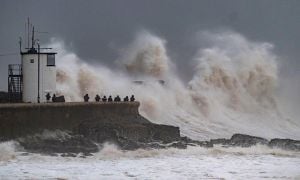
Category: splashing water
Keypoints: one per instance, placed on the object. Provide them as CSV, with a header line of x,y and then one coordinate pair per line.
x,y
8,150
232,90
146,56
258,162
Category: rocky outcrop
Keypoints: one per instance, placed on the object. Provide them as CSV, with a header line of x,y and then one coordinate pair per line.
x,y
287,144
190,142
241,140
91,136
51,145
130,136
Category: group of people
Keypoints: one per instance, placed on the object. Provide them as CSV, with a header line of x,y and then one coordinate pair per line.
x,y
55,98
109,99
48,97
86,98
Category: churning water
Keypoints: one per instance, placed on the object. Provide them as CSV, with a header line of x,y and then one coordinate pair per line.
x,y
235,88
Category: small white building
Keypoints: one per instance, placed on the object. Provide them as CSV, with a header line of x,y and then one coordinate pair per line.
x,y
39,75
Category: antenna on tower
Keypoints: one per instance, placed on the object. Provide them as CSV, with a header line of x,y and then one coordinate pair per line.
x,y
32,38
28,32
20,44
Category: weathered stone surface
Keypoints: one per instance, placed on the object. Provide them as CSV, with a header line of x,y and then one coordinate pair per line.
x,y
130,136
241,140
222,141
22,119
89,122
287,144
72,144
246,140
191,142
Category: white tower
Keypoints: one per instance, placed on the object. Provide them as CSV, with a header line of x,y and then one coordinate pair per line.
x,y
39,74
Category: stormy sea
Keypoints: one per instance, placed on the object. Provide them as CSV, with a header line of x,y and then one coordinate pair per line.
x,y
235,86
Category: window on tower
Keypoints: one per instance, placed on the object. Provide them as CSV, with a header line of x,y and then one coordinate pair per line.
x,y
50,60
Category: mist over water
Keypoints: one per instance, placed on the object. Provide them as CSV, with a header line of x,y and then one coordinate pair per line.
x,y
233,89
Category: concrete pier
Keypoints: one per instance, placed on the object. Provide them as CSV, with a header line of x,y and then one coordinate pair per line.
x,y
17,120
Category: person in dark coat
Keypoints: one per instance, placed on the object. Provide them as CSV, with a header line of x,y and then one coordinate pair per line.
x,y
86,98
126,99
97,98
48,97
53,98
109,99
117,98
104,99
132,98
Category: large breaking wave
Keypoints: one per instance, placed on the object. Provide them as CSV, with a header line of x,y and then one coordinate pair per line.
x,y
233,89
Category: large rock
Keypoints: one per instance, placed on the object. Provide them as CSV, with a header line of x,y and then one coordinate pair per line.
x,y
130,136
221,141
70,144
192,142
246,140
241,140
287,144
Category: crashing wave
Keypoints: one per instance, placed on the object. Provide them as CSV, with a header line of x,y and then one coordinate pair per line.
x,y
233,89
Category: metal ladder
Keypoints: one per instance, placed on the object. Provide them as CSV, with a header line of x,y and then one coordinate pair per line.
x,y
15,82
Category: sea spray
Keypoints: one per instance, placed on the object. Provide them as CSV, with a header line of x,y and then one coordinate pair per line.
x,y
8,151
146,56
242,74
232,90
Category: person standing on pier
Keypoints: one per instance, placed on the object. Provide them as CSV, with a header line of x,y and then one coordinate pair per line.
x,y
97,98
86,98
132,98
110,99
48,97
104,99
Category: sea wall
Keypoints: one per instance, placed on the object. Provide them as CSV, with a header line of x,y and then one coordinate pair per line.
x,y
17,120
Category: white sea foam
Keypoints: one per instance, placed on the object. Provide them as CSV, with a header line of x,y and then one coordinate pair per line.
x,y
257,162
111,152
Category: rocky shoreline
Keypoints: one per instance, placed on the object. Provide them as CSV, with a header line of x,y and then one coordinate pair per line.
x,y
90,138
79,127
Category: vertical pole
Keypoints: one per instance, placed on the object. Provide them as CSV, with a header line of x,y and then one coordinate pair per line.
x,y
28,32
20,44
32,40
38,73
8,87
25,38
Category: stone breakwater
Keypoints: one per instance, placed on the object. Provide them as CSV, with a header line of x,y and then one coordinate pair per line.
x,y
18,120
87,126
84,127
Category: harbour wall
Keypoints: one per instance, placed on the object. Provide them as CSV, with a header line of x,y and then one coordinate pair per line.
x,y
18,120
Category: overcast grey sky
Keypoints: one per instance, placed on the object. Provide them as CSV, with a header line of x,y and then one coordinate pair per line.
x,y
92,27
